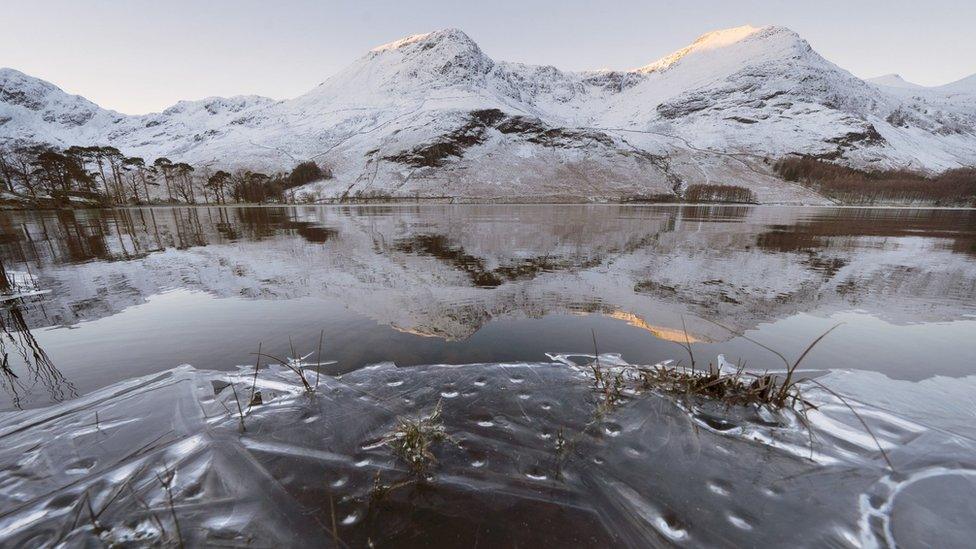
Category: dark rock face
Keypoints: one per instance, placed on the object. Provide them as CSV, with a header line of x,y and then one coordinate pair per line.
x,y
21,98
475,131
869,136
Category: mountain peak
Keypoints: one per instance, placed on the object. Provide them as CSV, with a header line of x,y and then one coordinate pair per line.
x,y
893,81
429,39
724,38
14,78
450,50
420,61
32,93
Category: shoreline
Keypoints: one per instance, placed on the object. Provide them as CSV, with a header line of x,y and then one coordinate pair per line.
x,y
454,202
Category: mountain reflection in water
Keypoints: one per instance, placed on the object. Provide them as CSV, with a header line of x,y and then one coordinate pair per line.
x,y
139,290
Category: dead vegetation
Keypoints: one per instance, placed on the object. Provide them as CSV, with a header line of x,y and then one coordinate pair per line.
x,y
738,388
781,391
108,534
296,365
411,440
775,391
858,187
380,490
166,480
609,383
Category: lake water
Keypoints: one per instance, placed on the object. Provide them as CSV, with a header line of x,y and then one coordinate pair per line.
x,y
134,291
488,319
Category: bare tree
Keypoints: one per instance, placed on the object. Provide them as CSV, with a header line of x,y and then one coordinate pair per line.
x,y
165,167
183,178
7,170
217,184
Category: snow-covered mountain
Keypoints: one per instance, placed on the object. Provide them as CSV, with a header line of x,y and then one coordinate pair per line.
x,y
432,115
963,85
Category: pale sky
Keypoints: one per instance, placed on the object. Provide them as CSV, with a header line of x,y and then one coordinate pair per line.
x,y
138,56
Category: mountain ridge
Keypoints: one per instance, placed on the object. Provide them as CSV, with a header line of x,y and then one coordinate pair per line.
x,y
965,84
408,119
893,80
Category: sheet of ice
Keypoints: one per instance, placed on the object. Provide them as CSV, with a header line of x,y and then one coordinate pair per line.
x,y
529,461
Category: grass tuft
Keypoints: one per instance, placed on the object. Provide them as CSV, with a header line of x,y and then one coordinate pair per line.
x,y
734,389
610,384
411,440
741,388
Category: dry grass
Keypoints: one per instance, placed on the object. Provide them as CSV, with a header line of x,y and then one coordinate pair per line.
x,y
774,391
411,440
739,388
610,384
380,490
166,480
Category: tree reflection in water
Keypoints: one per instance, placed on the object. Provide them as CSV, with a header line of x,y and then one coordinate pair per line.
x,y
18,344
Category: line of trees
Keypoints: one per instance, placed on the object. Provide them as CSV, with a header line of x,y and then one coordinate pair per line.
x,y
105,175
954,187
719,193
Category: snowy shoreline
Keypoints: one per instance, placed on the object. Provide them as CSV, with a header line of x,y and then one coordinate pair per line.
x,y
486,202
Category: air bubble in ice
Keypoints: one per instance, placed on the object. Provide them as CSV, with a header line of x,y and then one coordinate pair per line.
x,y
739,522
718,489
536,474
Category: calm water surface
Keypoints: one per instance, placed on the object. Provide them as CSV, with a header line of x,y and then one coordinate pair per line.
x,y
135,291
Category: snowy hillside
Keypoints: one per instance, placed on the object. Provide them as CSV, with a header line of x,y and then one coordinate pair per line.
x,y
431,115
